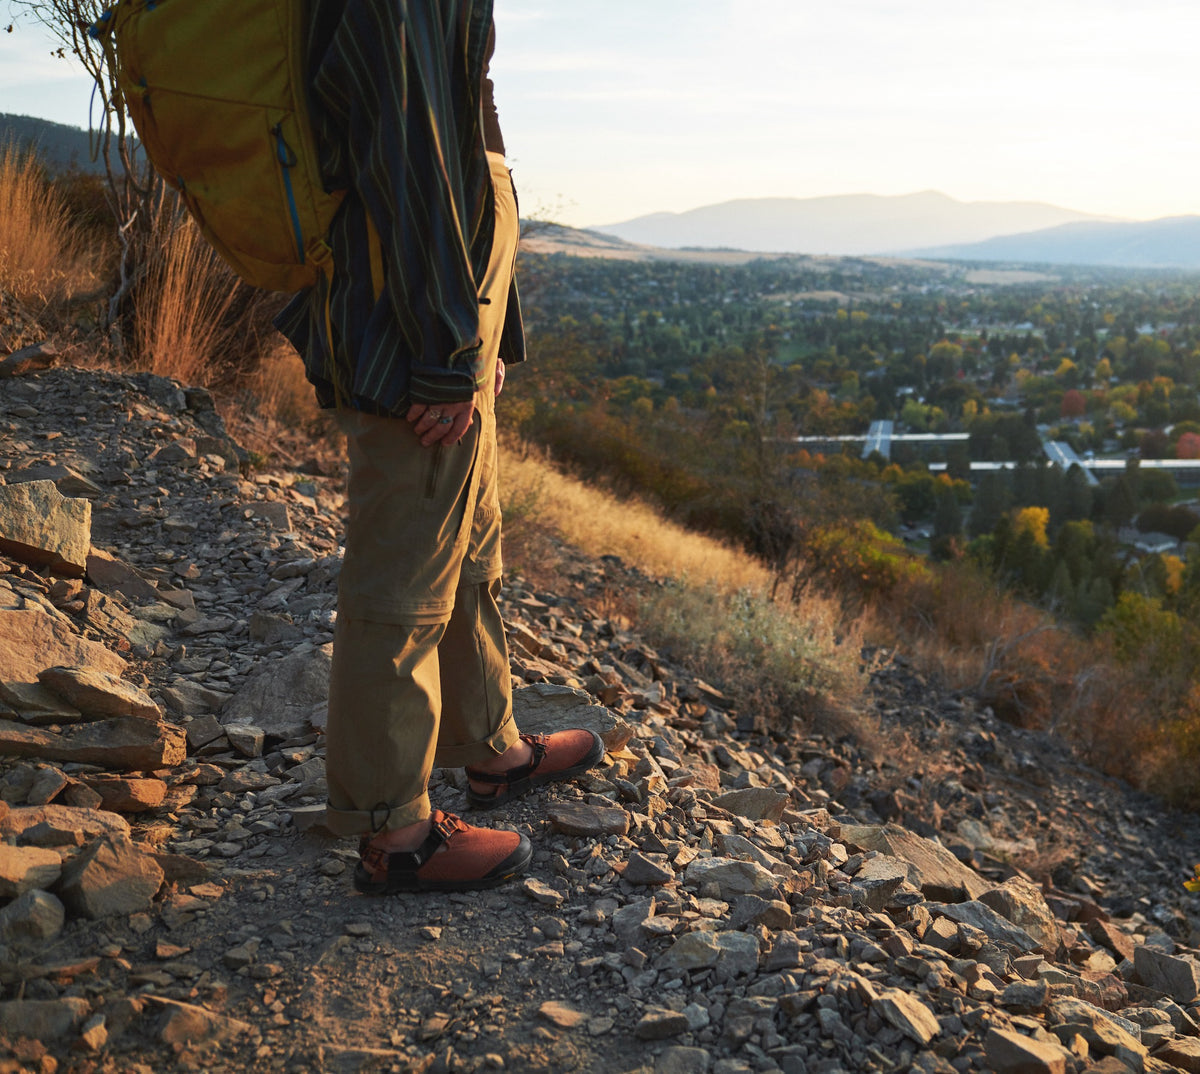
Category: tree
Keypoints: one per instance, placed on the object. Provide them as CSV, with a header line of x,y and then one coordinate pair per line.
x,y
1077,498
1121,502
992,499
145,211
1032,521
947,524
1074,404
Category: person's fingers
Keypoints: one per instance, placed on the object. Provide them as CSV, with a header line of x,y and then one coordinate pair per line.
x,y
446,425
499,376
415,413
459,427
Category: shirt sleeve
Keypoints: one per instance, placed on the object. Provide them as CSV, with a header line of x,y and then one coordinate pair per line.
x,y
399,109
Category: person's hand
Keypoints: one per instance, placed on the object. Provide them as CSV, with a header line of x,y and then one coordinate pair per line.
x,y
440,423
499,376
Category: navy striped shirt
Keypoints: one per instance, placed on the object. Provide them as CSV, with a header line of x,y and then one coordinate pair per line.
x,y
396,106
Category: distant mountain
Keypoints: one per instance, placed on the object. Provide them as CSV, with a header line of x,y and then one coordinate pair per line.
x,y
843,224
1171,242
60,146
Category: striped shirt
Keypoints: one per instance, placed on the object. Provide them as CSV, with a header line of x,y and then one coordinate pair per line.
x,y
396,106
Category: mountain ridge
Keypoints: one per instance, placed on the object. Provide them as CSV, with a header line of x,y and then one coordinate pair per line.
x,y
1168,242
61,146
841,224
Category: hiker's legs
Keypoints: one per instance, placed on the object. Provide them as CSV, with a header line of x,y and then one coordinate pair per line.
x,y
420,668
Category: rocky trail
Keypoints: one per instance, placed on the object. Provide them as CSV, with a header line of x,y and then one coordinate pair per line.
x,y
722,896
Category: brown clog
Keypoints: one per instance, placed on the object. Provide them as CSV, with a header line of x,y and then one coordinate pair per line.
x,y
560,755
454,857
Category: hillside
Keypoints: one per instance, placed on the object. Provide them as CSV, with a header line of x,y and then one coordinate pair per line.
x,y
1172,242
62,147
729,893
845,224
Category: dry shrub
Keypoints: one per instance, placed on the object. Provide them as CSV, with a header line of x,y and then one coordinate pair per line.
x,y
961,624
1038,673
801,661
282,390
43,261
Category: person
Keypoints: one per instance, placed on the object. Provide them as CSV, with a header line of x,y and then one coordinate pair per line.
x,y
408,342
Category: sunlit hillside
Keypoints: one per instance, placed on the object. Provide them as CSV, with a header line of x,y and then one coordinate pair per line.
x,y
658,422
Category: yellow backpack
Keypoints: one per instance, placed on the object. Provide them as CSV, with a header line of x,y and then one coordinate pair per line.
x,y
216,90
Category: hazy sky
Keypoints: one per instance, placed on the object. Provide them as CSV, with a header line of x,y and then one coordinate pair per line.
x,y
615,109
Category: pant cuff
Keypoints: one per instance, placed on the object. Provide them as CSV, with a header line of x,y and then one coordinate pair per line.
x,y
382,819
468,753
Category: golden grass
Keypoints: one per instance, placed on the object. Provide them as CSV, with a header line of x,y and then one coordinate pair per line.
x,y
180,308
43,261
600,524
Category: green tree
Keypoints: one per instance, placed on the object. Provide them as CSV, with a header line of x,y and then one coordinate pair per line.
x,y
992,500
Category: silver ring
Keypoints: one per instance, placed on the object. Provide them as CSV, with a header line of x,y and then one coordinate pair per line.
x,y
445,421
435,414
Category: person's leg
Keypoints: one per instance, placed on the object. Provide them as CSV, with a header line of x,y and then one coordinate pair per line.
x,y
405,540
383,706
476,727
397,608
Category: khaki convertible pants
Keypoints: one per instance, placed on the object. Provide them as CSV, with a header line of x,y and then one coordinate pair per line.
x,y
420,664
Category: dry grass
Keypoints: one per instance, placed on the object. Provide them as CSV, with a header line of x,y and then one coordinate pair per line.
x,y
599,524
799,660
180,308
273,413
43,260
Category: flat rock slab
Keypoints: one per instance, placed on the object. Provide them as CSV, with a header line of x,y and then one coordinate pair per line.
x,y
1183,1053
90,823
97,694
43,1019
561,1015
23,869
932,868
28,360
734,952
32,640
109,877
68,481
753,803
589,821
34,704
1012,1053
982,917
907,1014
34,917
128,795
544,708
41,527
185,1023
126,742
286,698
1176,975
115,576
1022,903
733,877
